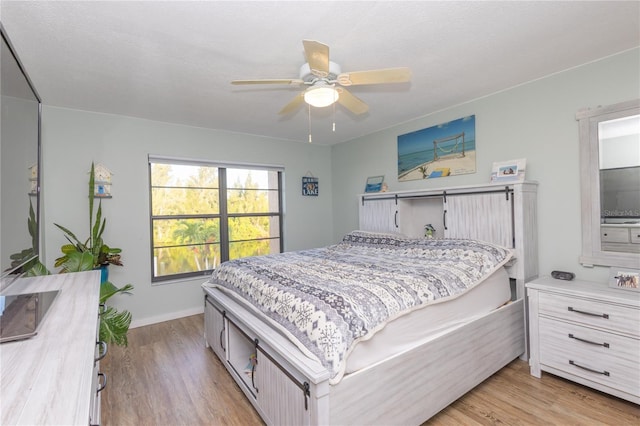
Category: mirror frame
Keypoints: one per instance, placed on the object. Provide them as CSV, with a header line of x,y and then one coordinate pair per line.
x,y
588,119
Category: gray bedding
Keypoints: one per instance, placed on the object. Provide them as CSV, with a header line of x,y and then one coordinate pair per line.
x,y
328,299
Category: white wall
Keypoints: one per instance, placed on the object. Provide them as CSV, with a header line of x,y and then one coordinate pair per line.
x,y
72,139
535,121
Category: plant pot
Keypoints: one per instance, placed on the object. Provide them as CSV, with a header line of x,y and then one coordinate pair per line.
x,y
104,273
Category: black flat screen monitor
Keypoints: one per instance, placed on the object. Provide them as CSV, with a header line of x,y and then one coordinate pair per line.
x,y
620,194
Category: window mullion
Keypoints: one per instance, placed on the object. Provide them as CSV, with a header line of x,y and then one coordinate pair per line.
x,y
280,210
224,217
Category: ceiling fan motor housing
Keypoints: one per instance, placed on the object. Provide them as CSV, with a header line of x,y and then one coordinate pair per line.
x,y
308,75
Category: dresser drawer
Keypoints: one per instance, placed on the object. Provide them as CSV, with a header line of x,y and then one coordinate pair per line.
x,y
616,318
614,235
635,235
601,357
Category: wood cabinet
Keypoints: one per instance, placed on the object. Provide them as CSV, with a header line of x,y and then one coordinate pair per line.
x,y
279,390
381,215
620,237
586,332
465,217
99,381
52,377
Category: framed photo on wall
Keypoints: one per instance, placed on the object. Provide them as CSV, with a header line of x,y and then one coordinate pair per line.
x,y
374,184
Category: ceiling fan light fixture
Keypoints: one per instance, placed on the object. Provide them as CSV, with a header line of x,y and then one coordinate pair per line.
x,y
322,96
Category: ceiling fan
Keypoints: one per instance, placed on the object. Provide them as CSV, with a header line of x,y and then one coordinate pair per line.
x,y
326,82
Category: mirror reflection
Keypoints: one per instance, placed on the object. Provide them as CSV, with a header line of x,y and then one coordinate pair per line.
x,y
619,173
19,154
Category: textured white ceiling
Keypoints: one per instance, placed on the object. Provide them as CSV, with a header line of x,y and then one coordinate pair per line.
x,y
173,61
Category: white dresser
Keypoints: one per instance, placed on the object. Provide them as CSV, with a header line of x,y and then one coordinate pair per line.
x,y
586,332
52,377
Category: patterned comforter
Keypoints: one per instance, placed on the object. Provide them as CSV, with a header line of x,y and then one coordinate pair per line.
x,y
328,299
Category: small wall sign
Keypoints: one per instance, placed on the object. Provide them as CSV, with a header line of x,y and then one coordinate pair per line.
x,y
310,186
102,181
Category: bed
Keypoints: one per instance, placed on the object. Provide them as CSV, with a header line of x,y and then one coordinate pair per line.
x,y
377,329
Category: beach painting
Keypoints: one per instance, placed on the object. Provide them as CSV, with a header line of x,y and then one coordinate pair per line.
x,y
444,150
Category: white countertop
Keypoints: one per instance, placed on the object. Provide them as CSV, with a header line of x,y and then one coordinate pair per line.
x,y
47,378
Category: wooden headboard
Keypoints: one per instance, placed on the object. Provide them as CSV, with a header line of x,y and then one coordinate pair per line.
x,y
502,214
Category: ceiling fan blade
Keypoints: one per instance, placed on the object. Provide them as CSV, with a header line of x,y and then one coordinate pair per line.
x,y
293,105
269,81
388,75
351,102
317,55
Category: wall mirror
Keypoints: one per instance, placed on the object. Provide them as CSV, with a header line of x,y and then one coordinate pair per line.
x,y
610,184
19,160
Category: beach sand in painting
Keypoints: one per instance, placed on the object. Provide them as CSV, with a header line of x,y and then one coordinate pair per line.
x,y
456,164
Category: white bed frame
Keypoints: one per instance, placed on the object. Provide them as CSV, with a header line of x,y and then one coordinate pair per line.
x,y
407,388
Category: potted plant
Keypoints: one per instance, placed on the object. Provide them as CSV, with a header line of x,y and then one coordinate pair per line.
x,y
94,253
91,254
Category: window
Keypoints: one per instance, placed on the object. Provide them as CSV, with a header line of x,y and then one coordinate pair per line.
x,y
206,213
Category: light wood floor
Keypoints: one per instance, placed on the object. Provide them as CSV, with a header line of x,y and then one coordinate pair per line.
x,y
166,376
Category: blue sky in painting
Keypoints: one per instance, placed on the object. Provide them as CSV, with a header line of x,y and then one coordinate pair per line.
x,y
421,140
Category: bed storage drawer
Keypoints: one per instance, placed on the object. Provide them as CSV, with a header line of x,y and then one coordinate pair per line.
x,y
279,392
214,319
284,399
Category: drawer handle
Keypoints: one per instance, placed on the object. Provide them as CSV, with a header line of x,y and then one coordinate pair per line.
x,y
605,316
606,345
104,382
103,350
604,373
222,335
254,361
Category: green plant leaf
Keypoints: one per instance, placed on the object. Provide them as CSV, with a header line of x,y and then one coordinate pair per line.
x,y
32,224
70,235
69,248
24,254
37,269
98,227
79,261
108,289
114,326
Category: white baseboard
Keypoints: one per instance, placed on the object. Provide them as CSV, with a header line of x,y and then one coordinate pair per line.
x,y
166,317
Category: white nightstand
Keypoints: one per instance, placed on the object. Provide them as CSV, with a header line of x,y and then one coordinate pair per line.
x,y
586,332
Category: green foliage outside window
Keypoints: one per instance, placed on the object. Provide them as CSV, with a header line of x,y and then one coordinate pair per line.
x,y
188,223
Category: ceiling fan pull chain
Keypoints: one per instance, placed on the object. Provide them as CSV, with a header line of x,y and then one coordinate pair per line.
x,y
309,108
334,116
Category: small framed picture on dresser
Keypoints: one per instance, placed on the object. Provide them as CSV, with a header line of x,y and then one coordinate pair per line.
x,y
624,278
